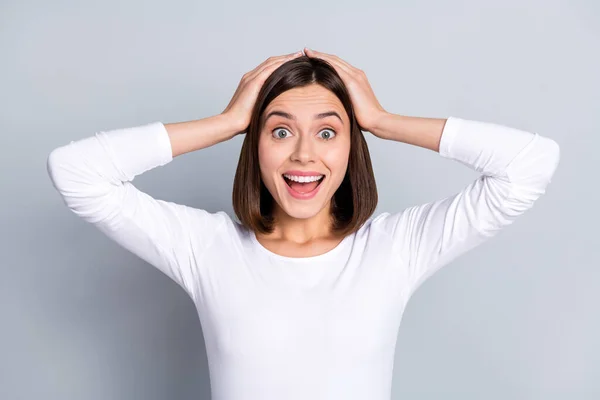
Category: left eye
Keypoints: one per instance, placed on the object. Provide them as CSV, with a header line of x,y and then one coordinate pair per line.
x,y
327,134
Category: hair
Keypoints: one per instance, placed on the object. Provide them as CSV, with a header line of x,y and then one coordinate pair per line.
x,y
356,198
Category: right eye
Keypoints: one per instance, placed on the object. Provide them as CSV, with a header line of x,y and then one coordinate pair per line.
x,y
280,133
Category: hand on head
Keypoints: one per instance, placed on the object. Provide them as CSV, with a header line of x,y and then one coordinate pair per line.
x,y
240,106
367,109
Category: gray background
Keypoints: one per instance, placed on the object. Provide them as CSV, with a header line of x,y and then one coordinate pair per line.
x,y
516,318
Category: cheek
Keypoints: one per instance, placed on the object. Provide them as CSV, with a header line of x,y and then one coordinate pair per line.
x,y
336,160
269,160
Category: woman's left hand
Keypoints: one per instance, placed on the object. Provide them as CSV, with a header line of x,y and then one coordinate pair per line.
x,y
367,109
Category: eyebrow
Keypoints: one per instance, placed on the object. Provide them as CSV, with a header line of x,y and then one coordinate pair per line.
x,y
292,117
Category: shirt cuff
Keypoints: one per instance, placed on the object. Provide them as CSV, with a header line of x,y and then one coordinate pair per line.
x,y
449,133
483,146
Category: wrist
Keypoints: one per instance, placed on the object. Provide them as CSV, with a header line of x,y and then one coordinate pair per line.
x,y
380,125
232,123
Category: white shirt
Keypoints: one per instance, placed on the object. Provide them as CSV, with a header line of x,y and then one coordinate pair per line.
x,y
323,327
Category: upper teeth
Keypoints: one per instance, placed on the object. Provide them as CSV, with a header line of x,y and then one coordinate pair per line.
x,y
303,179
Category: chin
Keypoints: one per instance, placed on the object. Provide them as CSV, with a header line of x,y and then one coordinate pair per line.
x,y
302,211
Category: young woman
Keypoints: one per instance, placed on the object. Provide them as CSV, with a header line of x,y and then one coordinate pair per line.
x,y
302,297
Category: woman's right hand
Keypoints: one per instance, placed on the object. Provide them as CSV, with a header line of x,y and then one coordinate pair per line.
x,y
240,107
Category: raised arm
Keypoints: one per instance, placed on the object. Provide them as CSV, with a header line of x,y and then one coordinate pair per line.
x,y
515,166
93,175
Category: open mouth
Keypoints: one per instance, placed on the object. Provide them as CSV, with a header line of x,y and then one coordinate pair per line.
x,y
303,184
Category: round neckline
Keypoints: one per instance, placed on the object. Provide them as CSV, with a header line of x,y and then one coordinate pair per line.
x,y
318,257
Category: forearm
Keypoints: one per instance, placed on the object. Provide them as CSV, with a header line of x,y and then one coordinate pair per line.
x,y
418,131
198,134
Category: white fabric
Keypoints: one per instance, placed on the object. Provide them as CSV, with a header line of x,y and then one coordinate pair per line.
x,y
321,327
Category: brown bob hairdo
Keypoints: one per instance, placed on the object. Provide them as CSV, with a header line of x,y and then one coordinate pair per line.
x,y
356,198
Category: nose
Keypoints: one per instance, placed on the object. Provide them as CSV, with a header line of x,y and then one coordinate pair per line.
x,y
303,150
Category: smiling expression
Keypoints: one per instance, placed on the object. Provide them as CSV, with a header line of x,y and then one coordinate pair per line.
x,y
303,149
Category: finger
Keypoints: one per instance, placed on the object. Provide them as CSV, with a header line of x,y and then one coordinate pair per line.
x,y
271,60
271,64
268,62
334,60
266,67
333,57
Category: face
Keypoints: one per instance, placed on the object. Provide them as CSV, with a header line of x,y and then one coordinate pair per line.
x,y
303,156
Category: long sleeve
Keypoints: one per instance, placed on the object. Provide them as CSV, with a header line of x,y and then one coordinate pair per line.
x,y
515,166
93,175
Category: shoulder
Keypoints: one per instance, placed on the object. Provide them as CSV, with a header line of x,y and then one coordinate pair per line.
x,y
379,232
385,223
218,225
207,219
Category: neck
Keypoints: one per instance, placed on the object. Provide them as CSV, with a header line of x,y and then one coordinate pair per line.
x,y
303,230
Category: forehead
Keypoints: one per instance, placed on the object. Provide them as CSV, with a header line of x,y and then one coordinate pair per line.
x,y
304,102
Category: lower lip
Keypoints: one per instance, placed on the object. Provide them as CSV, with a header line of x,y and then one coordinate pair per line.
x,y
303,196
